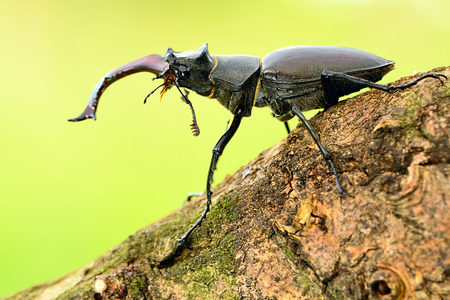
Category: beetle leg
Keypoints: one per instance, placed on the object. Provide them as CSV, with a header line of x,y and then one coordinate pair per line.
x,y
406,85
286,124
330,90
325,153
217,151
190,196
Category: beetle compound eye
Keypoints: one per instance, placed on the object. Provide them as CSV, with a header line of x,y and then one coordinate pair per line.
x,y
183,72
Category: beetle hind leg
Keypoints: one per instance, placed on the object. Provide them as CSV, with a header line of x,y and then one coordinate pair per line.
x,y
334,88
428,75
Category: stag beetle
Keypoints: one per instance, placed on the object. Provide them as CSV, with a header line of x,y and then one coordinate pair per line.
x,y
288,80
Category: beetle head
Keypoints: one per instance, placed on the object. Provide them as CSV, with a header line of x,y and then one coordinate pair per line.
x,y
191,69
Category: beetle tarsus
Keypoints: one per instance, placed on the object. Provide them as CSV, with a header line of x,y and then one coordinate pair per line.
x,y
199,221
415,81
338,185
183,240
190,196
327,78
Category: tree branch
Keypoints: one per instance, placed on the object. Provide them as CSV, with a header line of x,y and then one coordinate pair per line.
x,y
279,229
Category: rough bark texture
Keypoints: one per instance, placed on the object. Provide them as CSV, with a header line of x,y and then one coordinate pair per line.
x,y
279,229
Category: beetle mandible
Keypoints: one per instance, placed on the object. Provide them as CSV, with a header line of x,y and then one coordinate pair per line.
x,y
288,80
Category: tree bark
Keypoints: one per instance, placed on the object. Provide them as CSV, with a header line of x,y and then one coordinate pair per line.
x,y
278,228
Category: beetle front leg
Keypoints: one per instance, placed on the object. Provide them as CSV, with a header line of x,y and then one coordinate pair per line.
x,y
217,151
325,153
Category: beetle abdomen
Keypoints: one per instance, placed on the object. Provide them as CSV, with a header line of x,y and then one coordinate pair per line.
x,y
292,76
305,63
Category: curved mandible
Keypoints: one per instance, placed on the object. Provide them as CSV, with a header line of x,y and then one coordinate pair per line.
x,y
154,63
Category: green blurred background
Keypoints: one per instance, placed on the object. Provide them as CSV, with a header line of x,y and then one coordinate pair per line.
x,y
69,192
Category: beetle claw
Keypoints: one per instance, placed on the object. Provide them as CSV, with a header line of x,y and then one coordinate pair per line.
x,y
183,240
442,80
434,75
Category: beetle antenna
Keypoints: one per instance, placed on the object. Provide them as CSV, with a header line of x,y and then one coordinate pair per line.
x,y
194,126
149,94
